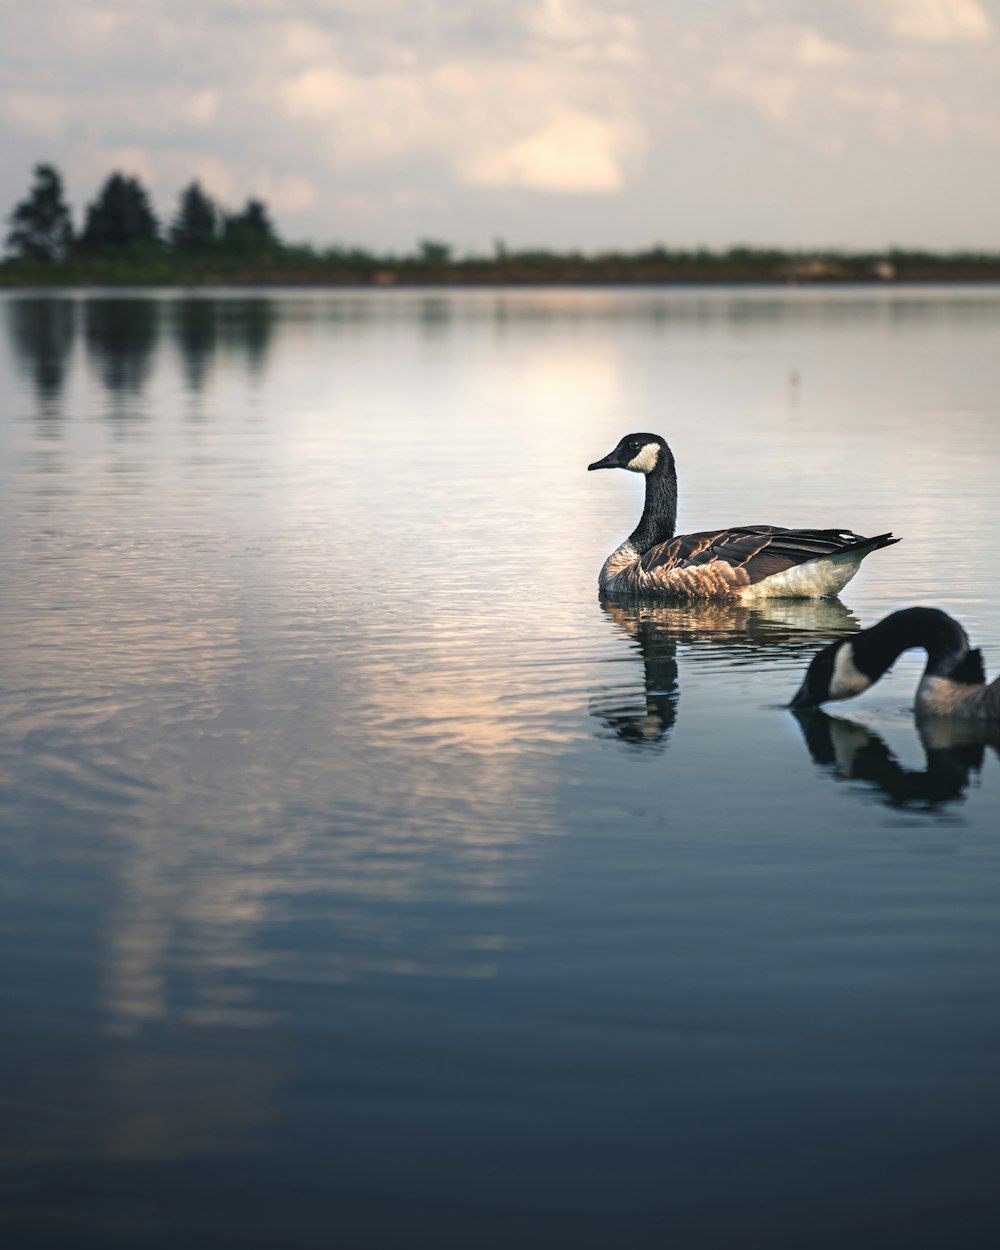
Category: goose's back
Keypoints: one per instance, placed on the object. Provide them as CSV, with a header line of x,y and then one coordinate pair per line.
x,y
742,562
940,696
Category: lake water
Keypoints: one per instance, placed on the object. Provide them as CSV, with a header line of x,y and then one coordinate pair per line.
x,y
364,881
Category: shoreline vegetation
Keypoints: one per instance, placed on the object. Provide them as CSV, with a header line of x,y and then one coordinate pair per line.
x,y
122,243
297,265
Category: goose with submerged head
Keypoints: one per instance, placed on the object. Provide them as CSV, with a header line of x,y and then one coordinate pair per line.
x,y
953,683
746,563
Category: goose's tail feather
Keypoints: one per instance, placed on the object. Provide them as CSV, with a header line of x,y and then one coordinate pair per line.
x,y
866,545
812,564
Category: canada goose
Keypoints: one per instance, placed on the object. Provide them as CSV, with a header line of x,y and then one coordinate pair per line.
x,y
954,681
746,562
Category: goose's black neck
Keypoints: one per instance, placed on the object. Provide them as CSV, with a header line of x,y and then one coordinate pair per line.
x,y
659,516
945,641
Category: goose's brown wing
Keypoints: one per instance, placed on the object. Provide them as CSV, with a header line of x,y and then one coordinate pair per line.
x,y
718,562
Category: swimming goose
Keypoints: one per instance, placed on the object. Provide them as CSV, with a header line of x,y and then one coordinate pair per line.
x,y
744,562
954,681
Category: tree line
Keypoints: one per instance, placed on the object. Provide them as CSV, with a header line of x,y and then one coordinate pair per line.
x,y
121,216
121,241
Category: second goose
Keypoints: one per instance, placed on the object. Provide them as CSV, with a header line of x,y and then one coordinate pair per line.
x,y
954,681
744,562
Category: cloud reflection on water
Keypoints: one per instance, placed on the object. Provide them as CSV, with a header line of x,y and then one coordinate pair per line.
x,y
224,801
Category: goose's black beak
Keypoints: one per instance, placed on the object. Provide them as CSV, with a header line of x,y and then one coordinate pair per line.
x,y
609,462
803,697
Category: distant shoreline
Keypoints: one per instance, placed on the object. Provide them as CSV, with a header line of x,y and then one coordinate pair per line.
x,y
303,267
277,284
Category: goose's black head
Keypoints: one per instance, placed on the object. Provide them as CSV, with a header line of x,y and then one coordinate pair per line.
x,y
640,453
833,674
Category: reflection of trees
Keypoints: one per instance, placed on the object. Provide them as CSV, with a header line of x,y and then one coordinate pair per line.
x,y
121,338
248,328
436,314
850,752
42,330
195,326
201,327
744,634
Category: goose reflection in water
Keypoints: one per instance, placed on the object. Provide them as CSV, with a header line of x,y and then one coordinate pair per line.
x,y
954,751
731,632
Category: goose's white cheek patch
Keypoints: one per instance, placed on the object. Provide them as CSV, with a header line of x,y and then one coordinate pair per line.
x,y
646,460
847,680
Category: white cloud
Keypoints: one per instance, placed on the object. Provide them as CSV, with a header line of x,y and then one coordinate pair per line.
x,y
216,178
801,80
203,107
382,120
604,32
316,94
478,118
813,49
778,69
35,112
574,153
882,105
771,93
287,194
135,162
92,27
935,21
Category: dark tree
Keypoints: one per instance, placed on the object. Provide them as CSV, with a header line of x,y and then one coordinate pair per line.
x,y
41,228
251,230
432,252
197,221
120,215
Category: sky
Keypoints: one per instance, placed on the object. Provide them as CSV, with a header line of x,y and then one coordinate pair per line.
x,y
552,123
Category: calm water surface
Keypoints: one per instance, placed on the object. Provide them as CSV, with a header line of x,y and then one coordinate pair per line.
x,y
365,881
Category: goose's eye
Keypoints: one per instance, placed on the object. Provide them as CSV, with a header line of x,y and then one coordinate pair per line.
x,y
634,445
